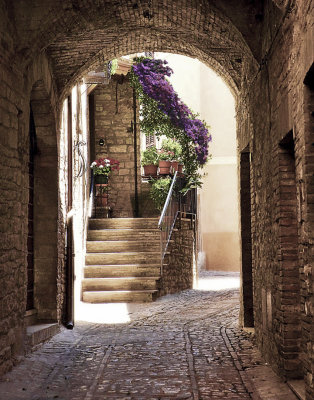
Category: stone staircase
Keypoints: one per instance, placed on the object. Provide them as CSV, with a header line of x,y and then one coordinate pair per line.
x,y
122,260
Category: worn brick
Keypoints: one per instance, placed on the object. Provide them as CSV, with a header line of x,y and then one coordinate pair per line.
x,y
263,51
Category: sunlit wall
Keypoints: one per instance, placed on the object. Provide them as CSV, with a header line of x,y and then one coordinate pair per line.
x,y
205,92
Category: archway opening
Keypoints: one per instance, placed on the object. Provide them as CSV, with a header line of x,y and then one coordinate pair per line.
x,y
108,125
216,41
42,210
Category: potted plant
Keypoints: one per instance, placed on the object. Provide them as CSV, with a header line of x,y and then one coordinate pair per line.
x,y
150,161
162,111
175,150
159,191
102,168
165,158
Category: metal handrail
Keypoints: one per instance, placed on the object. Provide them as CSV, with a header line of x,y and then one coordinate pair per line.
x,y
176,206
167,200
168,218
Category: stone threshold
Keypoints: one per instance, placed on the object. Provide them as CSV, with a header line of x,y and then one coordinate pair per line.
x,y
39,333
298,387
250,331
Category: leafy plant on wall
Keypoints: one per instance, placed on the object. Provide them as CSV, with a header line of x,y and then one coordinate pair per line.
x,y
164,113
159,191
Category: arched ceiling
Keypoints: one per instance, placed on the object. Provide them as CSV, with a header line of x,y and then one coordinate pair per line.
x,y
76,34
150,40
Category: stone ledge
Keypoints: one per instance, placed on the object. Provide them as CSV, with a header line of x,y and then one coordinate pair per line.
x,y
39,333
298,387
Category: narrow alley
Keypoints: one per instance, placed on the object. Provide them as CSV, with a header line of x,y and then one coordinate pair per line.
x,y
183,346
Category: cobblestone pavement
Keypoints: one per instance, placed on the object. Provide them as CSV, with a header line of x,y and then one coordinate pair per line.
x,y
184,346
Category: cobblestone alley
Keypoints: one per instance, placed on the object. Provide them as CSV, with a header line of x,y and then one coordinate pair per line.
x,y
184,346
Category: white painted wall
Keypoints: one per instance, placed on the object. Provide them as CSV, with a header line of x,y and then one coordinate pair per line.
x,y
206,93
80,192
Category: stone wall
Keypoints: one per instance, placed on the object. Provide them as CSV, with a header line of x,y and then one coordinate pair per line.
x,y
113,117
146,205
275,104
179,266
18,89
263,51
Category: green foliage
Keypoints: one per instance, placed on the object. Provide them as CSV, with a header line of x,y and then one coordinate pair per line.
x,y
159,191
114,66
165,155
193,182
150,156
172,146
154,122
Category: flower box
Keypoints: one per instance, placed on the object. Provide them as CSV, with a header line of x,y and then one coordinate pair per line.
x,y
164,167
150,170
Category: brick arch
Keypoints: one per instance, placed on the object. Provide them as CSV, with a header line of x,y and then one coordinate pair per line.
x,y
80,30
229,68
282,4
45,204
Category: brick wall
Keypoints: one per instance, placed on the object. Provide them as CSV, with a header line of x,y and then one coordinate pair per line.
x,y
17,91
306,217
113,117
45,206
179,267
264,53
282,249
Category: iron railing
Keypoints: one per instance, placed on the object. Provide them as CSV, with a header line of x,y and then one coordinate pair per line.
x,y
82,160
177,205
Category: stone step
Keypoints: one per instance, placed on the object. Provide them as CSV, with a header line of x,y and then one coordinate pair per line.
x,y
122,246
39,333
119,296
129,283
123,223
122,263
122,258
124,234
126,270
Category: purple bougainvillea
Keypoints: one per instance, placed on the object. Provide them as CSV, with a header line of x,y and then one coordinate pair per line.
x,y
152,75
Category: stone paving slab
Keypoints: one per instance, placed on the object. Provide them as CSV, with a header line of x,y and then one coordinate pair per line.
x,y
184,346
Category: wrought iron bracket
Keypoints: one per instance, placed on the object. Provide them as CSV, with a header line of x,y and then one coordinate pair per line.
x,y
82,160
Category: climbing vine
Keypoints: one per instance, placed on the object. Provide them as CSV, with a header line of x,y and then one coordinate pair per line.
x,y
164,113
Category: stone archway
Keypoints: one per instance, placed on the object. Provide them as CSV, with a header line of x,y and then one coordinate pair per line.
x,y
261,48
80,35
44,206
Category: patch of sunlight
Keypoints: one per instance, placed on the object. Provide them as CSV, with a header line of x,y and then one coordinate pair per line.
x,y
104,313
213,281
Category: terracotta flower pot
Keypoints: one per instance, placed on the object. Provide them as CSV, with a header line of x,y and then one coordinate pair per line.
x,y
150,170
174,165
180,168
102,200
164,167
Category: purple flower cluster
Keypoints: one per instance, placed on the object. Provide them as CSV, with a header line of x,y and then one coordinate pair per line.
x,y
152,77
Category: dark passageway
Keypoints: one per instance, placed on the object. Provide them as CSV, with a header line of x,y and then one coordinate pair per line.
x,y
263,50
